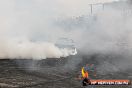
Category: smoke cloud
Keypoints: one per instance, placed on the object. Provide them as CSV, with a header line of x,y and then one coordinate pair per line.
x,y
27,27
16,49
31,28
106,32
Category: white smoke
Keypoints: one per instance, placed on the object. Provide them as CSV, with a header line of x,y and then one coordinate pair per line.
x,y
16,49
34,20
107,32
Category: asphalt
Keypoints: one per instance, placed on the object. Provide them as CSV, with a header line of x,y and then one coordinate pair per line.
x,y
49,73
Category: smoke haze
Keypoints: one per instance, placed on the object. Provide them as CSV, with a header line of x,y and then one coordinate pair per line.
x,y
30,29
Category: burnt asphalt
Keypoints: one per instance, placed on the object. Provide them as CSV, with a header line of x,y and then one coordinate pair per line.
x,y
48,73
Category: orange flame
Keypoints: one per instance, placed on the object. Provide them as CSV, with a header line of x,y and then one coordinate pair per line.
x,y
84,73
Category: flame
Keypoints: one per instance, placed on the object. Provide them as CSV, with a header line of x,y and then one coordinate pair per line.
x,y
84,73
